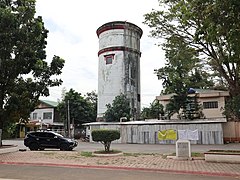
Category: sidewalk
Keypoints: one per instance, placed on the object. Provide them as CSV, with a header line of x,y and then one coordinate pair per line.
x,y
143,162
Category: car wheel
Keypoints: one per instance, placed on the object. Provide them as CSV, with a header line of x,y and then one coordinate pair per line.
x,y
64,147
41,148
33,146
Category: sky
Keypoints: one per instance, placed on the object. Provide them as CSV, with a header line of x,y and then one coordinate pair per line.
x,y
72,26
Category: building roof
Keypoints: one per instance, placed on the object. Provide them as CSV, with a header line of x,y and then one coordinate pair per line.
x,y
207,90
199,93
50,103
152,122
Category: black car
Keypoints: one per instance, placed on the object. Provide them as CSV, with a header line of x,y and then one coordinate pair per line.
x,y
40,140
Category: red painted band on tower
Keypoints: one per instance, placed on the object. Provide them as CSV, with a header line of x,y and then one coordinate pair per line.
x,y
118,48
119,25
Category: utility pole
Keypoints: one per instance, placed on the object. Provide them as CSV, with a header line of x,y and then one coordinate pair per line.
x,y
68,118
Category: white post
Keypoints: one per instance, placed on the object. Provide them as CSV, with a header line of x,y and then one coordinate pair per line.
x,y
183,149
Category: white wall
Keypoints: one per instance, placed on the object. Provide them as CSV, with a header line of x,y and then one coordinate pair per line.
x,y
40,115
113,78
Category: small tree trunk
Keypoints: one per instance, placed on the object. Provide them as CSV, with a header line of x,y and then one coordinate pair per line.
x,y
107,146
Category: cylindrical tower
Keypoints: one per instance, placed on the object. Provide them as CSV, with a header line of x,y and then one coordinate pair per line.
x,y
119,65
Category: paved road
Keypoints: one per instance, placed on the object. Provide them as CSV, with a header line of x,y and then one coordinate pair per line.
x,y
200,167
138,148
63,173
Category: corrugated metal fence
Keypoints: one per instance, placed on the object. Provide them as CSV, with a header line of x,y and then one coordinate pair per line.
x,y
208,133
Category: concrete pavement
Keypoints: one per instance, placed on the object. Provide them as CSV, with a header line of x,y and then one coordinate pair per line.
x,y
147,158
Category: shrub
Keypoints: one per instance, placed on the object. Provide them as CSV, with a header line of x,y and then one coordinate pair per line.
x,y
105,136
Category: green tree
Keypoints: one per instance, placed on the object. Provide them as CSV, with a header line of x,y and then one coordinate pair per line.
x,y
81,109
212,28
153,111
183,69
25,75
176,103
119,108
181,72
105,136
93,99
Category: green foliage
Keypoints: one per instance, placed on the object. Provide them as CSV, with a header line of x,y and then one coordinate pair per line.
x,y
83,109
182,71
92,98
10,131
232,108
154,111
210,28
185,105
119,108
86,154
25,75
191,109
176,103
105,136
183,68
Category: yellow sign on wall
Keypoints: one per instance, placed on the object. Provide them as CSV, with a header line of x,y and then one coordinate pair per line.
x,y
169,134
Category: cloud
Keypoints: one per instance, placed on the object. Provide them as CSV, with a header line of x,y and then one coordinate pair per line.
x,y
72,26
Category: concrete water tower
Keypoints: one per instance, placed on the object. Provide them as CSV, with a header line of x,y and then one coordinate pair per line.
x,y
119,65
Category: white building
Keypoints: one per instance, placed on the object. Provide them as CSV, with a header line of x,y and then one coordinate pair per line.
x,y
119,65
45,116
211,101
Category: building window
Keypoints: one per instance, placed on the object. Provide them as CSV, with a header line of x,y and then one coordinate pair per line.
x,y
138,97
210,105
47,115
34,116
109,58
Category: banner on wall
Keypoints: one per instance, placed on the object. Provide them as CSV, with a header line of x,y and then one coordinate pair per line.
x,y
188,134
169,134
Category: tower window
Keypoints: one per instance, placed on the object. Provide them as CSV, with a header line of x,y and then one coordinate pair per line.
x,y
109,58
138,97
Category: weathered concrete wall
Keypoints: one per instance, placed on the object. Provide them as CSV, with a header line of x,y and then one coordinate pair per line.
x,y
231,131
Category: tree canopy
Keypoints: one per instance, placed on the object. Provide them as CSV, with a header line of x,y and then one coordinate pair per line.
x,y
82,109
105,136
25,75
210,28
183,68
119,108
155,110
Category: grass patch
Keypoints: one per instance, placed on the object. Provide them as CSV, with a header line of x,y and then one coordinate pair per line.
x,y
86,154
107,152
196,154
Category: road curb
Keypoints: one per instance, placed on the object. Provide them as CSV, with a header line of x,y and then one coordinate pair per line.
x,y
8,149
126,168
